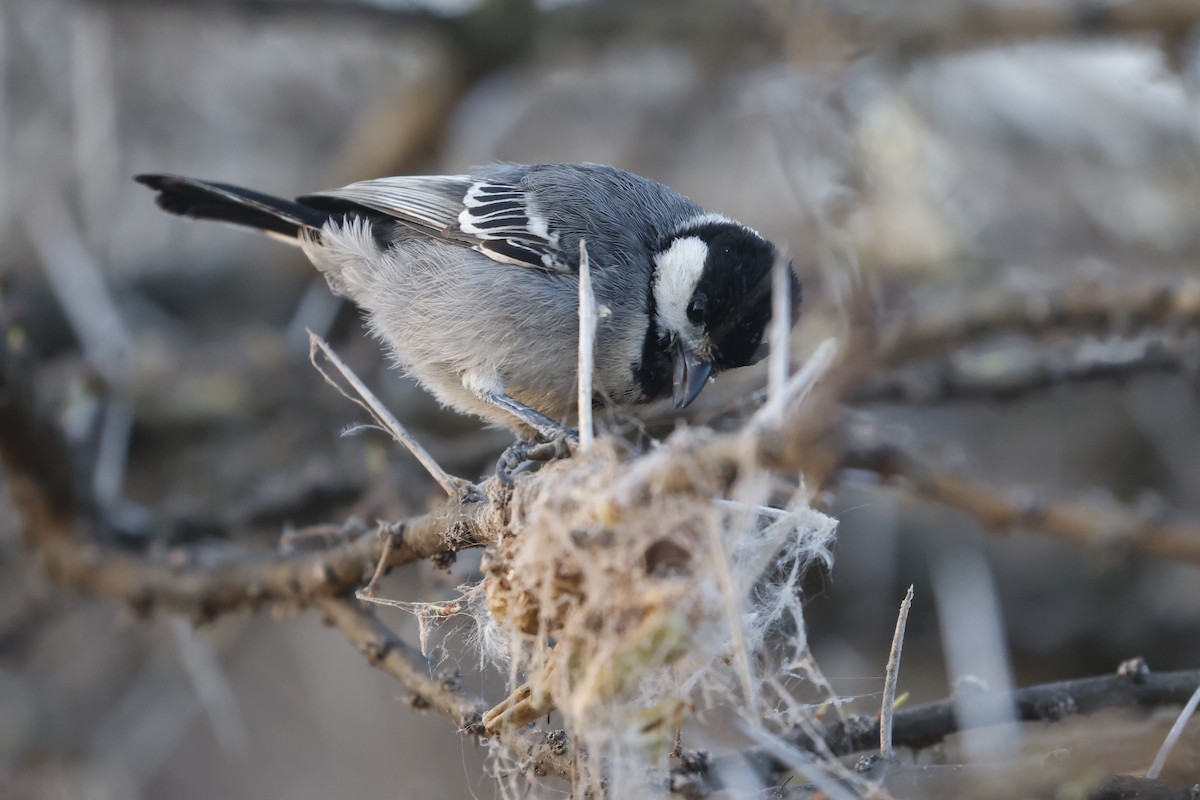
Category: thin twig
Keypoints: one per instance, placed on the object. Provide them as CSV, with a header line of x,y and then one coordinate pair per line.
x,y
587,347
385,650
1174,735
795,389
213,689
779,359
389,544
891,677
367,400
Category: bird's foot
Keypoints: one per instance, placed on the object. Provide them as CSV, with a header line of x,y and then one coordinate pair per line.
x,y
531,456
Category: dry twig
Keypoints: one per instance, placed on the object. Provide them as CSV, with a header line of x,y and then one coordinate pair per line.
x,y
1174,735
891,678
203,584
367,400
779,358
587,347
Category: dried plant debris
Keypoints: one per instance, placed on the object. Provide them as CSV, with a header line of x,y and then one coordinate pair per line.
x,y
635,596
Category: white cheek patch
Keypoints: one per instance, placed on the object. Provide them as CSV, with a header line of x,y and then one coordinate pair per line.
x,y
678,270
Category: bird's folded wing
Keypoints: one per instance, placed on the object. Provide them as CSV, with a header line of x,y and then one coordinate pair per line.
x,y
496,218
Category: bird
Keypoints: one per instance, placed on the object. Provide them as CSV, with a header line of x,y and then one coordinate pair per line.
x,y
472,281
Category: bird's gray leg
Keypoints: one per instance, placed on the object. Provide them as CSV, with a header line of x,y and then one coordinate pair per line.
x,y
548,429
555,438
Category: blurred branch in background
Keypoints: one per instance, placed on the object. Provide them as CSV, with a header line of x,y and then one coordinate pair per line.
x,y
486,33
865,448
924,27
1013,372
1115,305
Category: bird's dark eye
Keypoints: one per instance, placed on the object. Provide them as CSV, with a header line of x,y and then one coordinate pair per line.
x,y
695,309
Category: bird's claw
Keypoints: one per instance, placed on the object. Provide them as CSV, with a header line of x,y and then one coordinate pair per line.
x,y
530,456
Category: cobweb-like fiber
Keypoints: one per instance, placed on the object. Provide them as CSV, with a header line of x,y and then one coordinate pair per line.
x,y
638,597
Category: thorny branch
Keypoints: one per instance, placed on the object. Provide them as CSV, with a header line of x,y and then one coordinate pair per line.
x,y
204,585
817,438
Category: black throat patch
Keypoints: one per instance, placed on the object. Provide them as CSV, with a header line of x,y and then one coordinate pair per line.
x,y
653,373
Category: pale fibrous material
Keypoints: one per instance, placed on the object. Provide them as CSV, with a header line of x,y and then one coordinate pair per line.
x,y
647,598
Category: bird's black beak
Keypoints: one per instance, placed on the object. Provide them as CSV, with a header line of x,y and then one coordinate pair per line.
x,y
691,373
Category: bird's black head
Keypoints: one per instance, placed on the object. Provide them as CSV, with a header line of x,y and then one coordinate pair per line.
x,y
712,300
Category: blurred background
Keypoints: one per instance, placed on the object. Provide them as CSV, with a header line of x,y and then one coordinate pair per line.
x,y
176,353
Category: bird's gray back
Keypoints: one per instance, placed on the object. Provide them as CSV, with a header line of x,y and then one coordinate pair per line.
x,y
624,217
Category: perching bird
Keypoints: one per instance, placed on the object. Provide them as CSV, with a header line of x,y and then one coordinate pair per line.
x,y
472,280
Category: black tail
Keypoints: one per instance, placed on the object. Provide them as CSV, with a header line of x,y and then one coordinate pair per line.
x,y
220,201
